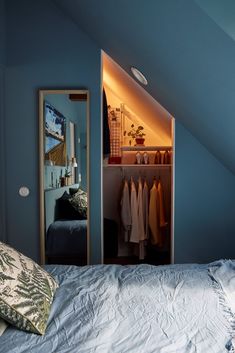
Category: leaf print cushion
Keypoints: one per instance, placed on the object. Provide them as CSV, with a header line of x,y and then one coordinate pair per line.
x,y
26,291
3,326
79,202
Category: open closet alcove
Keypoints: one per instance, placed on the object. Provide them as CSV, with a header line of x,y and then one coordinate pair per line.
x,y
138,154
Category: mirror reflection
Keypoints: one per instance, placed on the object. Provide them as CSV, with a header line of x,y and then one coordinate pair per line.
x,y
65,118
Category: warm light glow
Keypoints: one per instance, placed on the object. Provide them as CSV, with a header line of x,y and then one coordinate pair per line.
x,y
121,88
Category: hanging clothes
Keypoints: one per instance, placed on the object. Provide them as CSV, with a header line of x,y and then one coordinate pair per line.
x,y
162,220
126,210
146,209
134,237
155,234
141,230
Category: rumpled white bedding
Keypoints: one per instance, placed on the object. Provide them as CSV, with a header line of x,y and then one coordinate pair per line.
x,y
136,309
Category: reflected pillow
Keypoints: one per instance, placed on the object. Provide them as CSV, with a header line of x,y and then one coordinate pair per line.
x,y
26,291
3,326
73,191
64,208
79,202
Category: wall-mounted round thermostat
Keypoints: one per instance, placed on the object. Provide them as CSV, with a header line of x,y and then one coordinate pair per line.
x,y
24,191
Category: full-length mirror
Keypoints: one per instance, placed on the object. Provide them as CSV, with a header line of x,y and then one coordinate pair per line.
x,y
64,176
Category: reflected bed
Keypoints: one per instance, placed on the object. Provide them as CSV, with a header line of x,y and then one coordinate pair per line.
x,y
66,242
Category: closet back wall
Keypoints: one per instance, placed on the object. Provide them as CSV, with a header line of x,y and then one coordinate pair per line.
x,y
44,50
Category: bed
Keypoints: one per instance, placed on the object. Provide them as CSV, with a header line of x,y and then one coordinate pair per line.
x,y
66,227
140,309
66,242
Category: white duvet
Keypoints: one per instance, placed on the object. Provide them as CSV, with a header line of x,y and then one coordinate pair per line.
x,y
137,309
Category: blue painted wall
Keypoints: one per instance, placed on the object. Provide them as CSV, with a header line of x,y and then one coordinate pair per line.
x,y
53,53
2,108
44,50
186,56
204,203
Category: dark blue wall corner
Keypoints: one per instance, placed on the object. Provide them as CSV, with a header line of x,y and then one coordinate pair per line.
x,y
204,203
2,109
2,33
44,50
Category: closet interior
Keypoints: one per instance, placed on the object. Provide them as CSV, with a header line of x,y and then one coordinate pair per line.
x,y
137,172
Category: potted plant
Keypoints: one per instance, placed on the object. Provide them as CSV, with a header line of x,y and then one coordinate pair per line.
x,y
136,134
67,175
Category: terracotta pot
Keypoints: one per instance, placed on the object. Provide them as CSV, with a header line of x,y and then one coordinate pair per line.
x,y
139,140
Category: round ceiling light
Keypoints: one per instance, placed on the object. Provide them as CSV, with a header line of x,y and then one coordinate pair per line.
x,y
139,76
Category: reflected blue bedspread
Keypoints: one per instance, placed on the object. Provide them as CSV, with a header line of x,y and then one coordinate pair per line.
x,y
67,237
136,309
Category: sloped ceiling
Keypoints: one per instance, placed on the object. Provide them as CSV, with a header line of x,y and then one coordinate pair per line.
x,y
188,58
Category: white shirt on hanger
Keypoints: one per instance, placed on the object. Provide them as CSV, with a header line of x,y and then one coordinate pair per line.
x,y
146,209
141,229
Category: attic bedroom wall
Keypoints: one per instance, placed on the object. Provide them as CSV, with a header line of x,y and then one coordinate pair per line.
x,y
2,82
204,203
44,50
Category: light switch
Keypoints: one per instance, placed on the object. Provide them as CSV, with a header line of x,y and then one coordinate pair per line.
x,y
24,191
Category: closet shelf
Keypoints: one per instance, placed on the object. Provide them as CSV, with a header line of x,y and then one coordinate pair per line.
x,y
137,165
146,148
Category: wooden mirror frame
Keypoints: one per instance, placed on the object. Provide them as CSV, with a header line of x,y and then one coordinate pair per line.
x,y
82,94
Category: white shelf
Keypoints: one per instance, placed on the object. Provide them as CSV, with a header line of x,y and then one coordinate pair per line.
x,y
146,148
61,187
137,165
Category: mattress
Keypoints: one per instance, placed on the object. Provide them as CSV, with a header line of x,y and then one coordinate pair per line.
x,y
136,309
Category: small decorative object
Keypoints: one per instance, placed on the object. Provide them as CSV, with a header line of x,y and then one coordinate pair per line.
x,y
62,181
157,159
145,158
167,157
136,134
67,175
138,158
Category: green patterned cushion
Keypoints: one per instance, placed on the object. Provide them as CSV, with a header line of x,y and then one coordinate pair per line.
x,y
26,291
79,202
3,326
